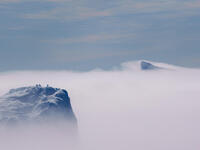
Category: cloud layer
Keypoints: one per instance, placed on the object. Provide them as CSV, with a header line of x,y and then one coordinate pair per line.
x,y
126,107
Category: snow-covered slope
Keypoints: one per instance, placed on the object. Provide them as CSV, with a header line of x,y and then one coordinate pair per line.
x,y
35,103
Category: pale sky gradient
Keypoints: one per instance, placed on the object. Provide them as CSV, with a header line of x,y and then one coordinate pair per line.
x,y
88,34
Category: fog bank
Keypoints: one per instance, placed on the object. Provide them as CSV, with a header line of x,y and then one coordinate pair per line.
x,y
123,108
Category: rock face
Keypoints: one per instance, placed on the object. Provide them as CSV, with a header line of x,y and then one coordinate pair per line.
x,y
36,103
144,65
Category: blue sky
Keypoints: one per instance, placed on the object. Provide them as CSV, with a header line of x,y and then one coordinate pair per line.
x,y
87,34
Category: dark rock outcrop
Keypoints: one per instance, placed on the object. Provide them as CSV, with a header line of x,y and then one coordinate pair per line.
x,y
36,104
144,65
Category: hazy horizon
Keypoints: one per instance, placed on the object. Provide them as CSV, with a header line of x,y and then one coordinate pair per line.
x,y
105,68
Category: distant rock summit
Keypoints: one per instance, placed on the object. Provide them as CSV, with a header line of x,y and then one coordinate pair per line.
x,y
144,65
36,104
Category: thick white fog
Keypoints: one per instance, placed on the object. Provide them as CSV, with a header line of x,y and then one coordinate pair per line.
x,y
125,108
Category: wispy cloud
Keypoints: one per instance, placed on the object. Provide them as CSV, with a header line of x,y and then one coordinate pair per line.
x,y
16,28
194,4
66,13
9,1
83,10
18,1
91,38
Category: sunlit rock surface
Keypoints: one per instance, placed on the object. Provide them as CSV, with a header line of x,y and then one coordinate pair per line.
x,y
36,104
